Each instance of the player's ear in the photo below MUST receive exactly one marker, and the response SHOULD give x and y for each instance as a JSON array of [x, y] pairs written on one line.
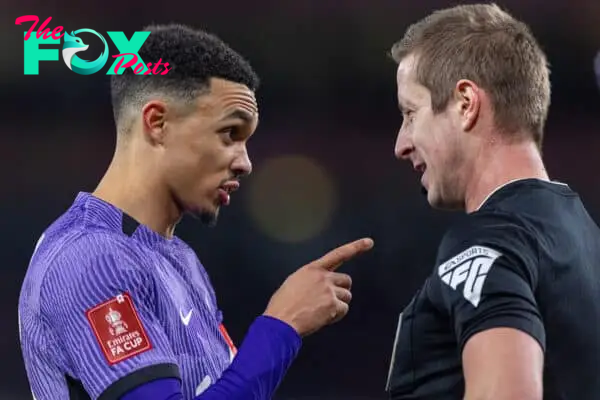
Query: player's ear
[[154, 118], [468, 95]]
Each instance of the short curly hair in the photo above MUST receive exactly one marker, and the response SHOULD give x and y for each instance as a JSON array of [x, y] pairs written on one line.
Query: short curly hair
[[194, 57]]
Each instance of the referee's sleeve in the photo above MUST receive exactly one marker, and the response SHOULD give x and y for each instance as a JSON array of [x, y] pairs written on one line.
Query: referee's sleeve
[[486, 277]]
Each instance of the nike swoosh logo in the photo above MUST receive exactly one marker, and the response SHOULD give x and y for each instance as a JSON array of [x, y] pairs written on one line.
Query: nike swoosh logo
[[186, 318]]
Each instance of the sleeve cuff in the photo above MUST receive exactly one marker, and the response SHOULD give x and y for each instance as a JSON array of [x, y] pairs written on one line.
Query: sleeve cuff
[[533, 328], [139, 377], [282, 329]]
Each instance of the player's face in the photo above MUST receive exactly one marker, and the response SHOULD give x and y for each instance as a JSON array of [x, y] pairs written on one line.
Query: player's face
[[431, 142], [205, 152]]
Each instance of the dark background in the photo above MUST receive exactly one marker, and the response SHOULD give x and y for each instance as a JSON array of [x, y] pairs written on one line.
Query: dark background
[[325, 172]]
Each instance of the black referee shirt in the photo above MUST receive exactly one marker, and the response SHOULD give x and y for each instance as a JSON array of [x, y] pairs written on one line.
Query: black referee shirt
[[529, 259]]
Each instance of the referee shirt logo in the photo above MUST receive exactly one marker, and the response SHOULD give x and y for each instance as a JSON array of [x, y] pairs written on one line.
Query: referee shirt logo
[[470, 267]]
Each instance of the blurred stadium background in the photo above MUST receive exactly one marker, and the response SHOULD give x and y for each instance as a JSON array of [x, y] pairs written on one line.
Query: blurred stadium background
[[323, 156]]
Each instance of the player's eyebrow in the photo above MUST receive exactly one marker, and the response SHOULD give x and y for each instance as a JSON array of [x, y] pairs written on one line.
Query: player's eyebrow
[[240, 114]]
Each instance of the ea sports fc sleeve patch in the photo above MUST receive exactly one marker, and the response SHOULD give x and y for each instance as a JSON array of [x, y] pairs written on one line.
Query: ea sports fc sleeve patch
[[486, 276], [118, 329], [469, 269]]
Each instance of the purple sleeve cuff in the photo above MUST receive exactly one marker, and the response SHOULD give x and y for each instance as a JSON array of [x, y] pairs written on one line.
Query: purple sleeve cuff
[[262, 361], [285, 331]]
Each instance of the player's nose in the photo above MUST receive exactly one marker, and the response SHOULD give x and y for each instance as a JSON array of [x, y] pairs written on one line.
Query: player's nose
[[404, 146], [242, 165]]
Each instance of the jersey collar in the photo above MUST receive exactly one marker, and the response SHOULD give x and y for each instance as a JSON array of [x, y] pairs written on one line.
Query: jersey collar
[[496, 190]]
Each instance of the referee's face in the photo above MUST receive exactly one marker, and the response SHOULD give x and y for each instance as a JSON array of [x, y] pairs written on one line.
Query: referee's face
[[430, 141], [205, 152]]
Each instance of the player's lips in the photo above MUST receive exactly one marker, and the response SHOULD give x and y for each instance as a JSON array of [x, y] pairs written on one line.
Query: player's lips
[[225, 191], [230, 186]]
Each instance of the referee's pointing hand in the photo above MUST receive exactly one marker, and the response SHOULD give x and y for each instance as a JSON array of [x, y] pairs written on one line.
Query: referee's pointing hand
[[316, 295]]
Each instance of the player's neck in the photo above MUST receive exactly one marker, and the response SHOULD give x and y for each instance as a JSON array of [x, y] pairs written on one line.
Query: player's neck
[[498, 164], [137, 192]]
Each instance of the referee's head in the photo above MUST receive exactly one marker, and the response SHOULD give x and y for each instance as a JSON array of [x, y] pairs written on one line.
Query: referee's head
[[472, 81]]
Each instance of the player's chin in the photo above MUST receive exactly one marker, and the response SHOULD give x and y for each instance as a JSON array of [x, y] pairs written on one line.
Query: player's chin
[[206, 215]]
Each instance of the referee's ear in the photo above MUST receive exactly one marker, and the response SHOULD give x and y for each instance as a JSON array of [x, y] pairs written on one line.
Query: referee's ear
[[469, 103]]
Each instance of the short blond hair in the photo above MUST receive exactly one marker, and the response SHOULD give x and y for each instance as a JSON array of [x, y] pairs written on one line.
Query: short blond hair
[[485, 44]]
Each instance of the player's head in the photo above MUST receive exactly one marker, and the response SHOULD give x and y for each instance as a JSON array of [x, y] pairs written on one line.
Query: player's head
[[466, 76], [189, 127]]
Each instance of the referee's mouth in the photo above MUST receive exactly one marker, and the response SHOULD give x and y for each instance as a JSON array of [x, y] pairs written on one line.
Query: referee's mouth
[[421, 167]]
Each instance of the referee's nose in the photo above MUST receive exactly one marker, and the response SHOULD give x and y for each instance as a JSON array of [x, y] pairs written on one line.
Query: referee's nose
[[404, 146]]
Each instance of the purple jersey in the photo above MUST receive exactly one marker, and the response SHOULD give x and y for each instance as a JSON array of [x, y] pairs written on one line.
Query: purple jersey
[[107, 305]]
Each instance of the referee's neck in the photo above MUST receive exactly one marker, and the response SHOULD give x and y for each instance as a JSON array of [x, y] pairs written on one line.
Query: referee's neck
[[499, 164]]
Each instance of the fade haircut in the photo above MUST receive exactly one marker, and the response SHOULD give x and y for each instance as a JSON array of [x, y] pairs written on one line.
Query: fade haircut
[[486, 45], [194, 57]]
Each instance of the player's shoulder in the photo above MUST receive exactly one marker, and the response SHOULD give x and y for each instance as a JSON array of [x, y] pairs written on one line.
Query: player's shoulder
[[80, 232], [92, 244], [78, 252], [78, 239]]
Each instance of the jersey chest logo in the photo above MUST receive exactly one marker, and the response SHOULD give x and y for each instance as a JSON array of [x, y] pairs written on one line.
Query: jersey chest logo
[[470, 267]]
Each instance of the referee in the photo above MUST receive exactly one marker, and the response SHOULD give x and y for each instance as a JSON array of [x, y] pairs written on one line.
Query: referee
[[511, 309]]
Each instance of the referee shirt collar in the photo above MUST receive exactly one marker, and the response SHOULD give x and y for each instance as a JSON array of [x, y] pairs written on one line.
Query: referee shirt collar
[[515, 181]]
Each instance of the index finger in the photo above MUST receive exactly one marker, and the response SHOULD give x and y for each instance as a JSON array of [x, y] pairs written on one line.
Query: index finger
[[336, 257]]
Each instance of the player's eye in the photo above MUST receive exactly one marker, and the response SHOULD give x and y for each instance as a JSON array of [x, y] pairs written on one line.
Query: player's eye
[[229, 133]]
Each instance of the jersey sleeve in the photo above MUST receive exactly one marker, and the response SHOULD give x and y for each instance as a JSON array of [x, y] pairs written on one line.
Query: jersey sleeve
[[486, 277], [266, 354], [97, 299]]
